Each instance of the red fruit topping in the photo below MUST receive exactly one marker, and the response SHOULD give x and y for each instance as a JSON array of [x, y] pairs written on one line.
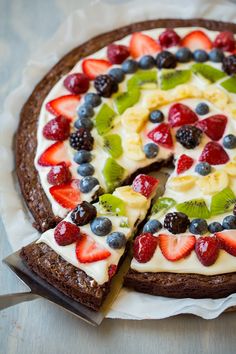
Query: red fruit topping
[[112, 270], [174, 248], [196, 40], [161, 135], [169, 38], [94, 67], [144, 247], [207, 250], [117, 53], [59, 174], [145, 185], [54, 155], [225, 41], [213, 126], [180, 114], [88, 250], [57, 129], [66, 233], [184, 163], [214, 154], [67, 195], [141, 44], [227, 241], [77, 83], [64, 105]]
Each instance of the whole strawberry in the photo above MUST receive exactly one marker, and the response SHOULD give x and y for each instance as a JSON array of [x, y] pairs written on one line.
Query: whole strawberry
[[144, 247], [66, 233]]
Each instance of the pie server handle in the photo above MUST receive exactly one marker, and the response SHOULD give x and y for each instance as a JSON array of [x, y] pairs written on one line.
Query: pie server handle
[[14, 299]]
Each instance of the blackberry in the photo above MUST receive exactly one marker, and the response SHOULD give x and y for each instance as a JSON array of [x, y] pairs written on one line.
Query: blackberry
[[166, 60], [176, 222], [189, 136], [81, 140], [83, 214], [229, 64], [105, 85]]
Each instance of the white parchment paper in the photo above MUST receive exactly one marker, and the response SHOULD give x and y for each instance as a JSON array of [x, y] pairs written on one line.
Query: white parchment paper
[[98, 17]]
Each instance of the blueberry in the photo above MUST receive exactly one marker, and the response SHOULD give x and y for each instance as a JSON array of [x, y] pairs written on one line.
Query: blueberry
[[202, 108], [229, 222], [150, 150], [84, 123], [116, 240], [156, 116], [117, 74], [87, 184], [85, 111], [82, 156], [129, 66], [198, 226], [229, 141], [184, 55], [200, 55], [92, 99], [86, 169], [101, 226], [166, 60], [152, 226], [216, 55], [146, 62], [215, 227], [203, 168]]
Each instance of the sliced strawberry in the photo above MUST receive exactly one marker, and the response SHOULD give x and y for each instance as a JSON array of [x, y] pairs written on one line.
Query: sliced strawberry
[[196, 40], [180, 114], [57, 129], [169, 38], [88, 250], [225, 41], [174, 248], [227, 241], [117, 53], [59, 174], [161, 135], [144, 247], [141, 44], [67, 195], [66, 233], [112, 270], [207, 250], [54, 155], [184, 163], [213, 126], [145, 185], [214, 154], [94, 67], [64, 105]]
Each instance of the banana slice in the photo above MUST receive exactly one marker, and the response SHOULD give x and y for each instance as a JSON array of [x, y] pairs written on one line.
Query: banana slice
[[230, 168], [216, 96], [134, 118], [213, 182], [231, 109], [155, 99], [132, 145], [131, 198], [182, 183], [186, 91]]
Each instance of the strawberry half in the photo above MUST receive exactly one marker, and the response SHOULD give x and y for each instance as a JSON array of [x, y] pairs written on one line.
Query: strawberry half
[[184, 163], [207, 250], [54, 155], [145, 185], [213, 126], [64, 105], [227, 241], [214, 154], [196, 40], [141, 44], [144, 247], [161, 135], [57, 129], [180, 114], [66, 233], [174, 248], [67, 195], [94, 67], [88, 250]]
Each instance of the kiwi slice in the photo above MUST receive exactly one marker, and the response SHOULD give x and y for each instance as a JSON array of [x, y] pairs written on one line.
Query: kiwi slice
[[104, 119], [125, 100], [162, 205], [112, 204], [223, 201], [113, 173], [208, 72], [173, 78], [112, 143], [141, 78], [194, 208], [230, 84]]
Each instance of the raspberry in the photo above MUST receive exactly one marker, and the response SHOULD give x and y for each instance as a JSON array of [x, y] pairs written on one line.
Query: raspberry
[[66, 233], [189, 136], [144, 247], [229, 64], [117, 53], [81, 140], [169, 38], [83, 214], [77, 83], [57, 129], [176, 223], [59, 174], [105, 85], [225, 41]]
